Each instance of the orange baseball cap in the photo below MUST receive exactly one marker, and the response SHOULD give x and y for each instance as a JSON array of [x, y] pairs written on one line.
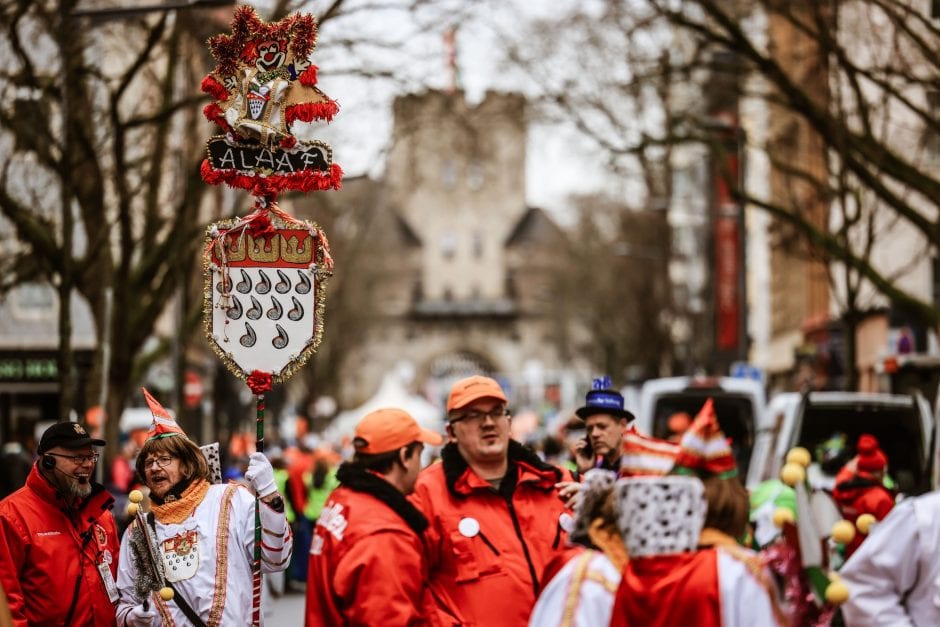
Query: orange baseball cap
[[385, 430], [471, 389]]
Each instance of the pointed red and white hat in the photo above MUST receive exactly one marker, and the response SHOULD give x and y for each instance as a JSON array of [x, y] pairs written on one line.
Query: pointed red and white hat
[[704, 449], [643, 455], [163, 424]]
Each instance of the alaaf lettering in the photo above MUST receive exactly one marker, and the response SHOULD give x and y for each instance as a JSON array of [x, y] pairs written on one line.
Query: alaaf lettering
[[332, 519], [255, 157]]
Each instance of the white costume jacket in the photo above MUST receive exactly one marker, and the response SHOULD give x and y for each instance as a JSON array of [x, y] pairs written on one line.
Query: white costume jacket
[[894, 576], [581, 594], [217, 580]]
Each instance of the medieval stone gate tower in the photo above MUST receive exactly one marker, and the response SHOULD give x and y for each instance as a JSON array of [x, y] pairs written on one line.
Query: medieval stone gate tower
[[474, 290]]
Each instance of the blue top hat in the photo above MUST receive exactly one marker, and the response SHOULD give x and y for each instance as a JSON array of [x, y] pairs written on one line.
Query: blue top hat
[[602, 399]]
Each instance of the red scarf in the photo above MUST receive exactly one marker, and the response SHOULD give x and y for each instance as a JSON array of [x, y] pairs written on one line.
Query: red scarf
[[669, 590]]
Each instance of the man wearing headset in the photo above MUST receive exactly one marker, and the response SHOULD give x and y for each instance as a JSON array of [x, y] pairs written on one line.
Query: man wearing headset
[[58, 540]]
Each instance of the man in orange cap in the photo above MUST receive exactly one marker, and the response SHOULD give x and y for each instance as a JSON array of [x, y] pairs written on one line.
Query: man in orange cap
[[495, 517], [367, 558]]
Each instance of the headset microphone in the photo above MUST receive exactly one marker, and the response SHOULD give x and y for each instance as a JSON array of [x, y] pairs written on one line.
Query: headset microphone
[[48, 462]]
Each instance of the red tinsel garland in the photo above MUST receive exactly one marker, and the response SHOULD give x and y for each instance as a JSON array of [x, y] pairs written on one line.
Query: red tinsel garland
[[310, 111], [248, 30], [272, 184], [259, 382], [210, 85]]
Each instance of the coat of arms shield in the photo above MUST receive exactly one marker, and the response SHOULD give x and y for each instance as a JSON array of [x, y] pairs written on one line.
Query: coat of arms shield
[[264, 293]]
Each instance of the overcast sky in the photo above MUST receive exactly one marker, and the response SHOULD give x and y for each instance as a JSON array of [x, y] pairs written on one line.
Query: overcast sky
[[360, 133]]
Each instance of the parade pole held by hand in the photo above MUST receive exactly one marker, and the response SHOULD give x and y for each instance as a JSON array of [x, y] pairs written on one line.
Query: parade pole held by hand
[[259, 382]]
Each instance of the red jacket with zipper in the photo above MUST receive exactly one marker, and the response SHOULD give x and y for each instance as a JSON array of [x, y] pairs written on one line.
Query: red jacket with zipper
[[486, 573], [45, 548]]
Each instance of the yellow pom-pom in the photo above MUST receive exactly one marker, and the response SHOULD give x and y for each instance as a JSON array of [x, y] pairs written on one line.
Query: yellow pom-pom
[[843, 532], [792, 474], [132, 509], [136, 496], [864, 523], [799, 455], [837, 593], [782, 515], [166, 593]]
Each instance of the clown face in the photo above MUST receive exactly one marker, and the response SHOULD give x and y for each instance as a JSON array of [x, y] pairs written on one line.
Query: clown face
[[270, 56]]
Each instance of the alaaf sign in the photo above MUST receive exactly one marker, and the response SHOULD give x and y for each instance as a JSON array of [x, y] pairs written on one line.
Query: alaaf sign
[[301, 167]]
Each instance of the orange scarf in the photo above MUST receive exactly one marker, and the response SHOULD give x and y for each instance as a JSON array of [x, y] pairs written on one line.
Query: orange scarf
[[179, 510]]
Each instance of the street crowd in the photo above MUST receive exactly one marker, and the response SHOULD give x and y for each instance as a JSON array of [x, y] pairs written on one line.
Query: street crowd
[[632, 531]]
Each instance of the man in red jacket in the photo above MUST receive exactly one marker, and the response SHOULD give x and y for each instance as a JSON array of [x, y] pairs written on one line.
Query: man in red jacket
[[495, 517], [367, 558], [58, 540]]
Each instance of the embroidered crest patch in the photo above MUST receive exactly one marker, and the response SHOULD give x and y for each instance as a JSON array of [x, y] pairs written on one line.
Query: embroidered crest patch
[[180, 556]]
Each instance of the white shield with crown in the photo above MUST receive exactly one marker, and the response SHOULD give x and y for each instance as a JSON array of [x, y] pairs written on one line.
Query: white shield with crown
[[265, 293]]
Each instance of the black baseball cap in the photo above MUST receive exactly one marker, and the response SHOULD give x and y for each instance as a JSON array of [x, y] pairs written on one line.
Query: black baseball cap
[[67, 435]]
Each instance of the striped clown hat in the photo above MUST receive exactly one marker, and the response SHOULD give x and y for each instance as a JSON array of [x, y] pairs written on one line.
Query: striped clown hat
[[163, 424], [704, 449], [646, 456]]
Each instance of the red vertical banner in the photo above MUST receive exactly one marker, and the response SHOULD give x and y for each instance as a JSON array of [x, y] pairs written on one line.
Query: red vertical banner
[[727, 300], [728, 316]]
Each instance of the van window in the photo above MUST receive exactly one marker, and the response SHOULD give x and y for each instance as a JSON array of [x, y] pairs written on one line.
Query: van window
[[898, 430], [735, 417]]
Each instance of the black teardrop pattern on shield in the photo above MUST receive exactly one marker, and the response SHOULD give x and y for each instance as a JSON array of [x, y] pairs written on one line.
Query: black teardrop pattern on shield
[[235, 311], [276, 311], [283, 284], [282, 339], [264, 285], [303, 285], [297, 312], [228, 285], [255, 312], [248, 340], [244, 286]]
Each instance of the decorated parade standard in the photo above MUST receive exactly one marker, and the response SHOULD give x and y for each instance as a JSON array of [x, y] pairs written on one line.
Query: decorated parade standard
[[266, 272]]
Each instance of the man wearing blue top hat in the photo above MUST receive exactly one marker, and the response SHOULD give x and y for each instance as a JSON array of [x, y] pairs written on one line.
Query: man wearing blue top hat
[[605, 421]]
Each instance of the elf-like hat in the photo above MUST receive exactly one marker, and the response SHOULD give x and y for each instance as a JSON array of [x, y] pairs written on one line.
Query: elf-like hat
[[163, 424], [703, 449], [646, 456]]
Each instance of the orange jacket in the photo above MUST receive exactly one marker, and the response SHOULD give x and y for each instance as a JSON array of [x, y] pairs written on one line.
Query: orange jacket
[[46, 550], [488, 549], [367, 558]]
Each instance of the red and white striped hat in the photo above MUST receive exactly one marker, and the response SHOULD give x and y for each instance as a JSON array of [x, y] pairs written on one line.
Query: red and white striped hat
[[163, 424], [646, 456], [704, 449]]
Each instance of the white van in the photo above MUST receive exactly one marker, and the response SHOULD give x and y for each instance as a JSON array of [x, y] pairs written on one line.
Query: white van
[[739, 406], [903, 424]]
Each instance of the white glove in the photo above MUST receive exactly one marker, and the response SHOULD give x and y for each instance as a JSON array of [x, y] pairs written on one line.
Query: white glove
[[260, 475], [139, 617]]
